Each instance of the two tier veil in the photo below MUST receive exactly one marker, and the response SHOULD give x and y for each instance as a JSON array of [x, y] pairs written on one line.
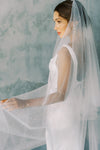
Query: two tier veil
[[24, 129]]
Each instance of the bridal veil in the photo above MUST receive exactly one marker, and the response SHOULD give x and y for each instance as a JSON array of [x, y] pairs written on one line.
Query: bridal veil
[[25, 128]]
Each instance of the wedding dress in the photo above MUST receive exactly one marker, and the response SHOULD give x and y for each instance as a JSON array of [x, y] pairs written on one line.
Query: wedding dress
[[56, 119]]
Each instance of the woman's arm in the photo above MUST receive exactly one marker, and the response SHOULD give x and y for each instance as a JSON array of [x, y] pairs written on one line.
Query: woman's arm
[[63, 64], [16, 103], [52, 98]]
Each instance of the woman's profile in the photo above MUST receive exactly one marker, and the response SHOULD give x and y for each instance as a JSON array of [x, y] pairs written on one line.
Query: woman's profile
[[63, 113]]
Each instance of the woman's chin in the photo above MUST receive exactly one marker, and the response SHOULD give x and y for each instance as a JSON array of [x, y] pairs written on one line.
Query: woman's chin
[[60, 36]]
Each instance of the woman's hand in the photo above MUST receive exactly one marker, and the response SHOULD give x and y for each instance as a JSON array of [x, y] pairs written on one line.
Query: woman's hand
[[12, 104]]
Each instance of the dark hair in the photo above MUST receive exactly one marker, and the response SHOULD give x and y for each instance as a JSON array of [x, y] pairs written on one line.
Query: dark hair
[[64, 9]]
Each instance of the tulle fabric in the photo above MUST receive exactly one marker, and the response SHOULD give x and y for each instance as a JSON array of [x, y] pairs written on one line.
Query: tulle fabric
[[65, 124]]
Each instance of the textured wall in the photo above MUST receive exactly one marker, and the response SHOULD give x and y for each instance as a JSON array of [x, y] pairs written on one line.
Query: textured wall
[[26, 45]]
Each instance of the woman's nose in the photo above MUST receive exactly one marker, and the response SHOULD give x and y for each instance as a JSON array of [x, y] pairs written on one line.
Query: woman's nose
[[55, 27]]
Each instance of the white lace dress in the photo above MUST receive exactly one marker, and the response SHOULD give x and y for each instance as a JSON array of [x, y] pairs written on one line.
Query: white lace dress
[[60, 132]]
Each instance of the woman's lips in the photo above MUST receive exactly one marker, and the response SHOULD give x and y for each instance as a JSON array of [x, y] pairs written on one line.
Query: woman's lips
[[58, 33]]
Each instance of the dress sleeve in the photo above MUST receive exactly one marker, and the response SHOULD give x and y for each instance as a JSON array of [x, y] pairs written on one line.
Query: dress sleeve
[[64, 66]]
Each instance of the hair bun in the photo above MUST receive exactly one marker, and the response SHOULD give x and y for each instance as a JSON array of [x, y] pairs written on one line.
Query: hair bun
[[69, 0], [69, 3]]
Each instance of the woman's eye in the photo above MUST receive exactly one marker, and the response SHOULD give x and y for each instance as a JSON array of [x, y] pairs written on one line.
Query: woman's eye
[[59, 21]]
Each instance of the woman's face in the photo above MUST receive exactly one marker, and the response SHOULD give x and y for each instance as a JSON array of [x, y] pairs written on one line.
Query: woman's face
[[60, 24]]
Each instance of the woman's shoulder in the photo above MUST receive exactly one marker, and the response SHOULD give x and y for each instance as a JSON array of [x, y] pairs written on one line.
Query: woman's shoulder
[[63, 56], [63, 52]]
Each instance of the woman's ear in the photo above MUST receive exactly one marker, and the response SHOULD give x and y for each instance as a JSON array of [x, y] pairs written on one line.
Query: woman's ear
[[71, 25], [68, 30]]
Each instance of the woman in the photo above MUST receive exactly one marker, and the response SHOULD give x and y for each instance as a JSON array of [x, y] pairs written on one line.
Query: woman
[[72, 69]]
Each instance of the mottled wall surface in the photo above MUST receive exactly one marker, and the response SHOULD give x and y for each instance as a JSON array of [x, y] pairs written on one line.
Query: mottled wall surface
[[26, 45]]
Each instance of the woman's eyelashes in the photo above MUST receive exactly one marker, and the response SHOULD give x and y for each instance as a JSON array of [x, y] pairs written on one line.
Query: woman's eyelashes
[[59, 21]]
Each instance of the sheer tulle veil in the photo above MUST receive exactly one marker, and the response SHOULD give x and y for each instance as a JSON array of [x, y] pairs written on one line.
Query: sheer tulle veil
[[25, 128]]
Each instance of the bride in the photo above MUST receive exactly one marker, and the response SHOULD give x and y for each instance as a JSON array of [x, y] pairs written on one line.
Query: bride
[[64, 113]]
